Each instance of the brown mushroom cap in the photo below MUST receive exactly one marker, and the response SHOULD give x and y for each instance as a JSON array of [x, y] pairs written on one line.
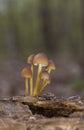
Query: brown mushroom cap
[[44, 75], [51, 65], [30, 58], [26, 73], [40, 58]]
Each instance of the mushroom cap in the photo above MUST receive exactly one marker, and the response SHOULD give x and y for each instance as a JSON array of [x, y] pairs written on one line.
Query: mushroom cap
[[51, 65], [40, 58], [26, 73], [30, 59], [44, 75]]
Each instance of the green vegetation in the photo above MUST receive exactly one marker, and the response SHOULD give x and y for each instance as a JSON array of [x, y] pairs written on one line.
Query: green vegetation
[[78, 84]]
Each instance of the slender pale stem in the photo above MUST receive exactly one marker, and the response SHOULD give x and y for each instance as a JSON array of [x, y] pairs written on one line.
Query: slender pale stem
[[49, 70], [32, 68], [31, 81], [26, 86], [31, 87], [37, 80], [44, 83]]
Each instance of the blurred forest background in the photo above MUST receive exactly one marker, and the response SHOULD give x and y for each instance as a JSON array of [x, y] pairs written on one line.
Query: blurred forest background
[[55, 27]]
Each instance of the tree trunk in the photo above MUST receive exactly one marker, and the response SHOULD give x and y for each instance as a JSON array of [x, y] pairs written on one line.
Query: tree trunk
[[47, 26], [12, 39]]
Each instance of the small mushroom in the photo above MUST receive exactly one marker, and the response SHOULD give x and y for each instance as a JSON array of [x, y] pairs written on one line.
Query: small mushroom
[[27, 74], [40, 60], [46, 80], [51, 66], [30, 61]]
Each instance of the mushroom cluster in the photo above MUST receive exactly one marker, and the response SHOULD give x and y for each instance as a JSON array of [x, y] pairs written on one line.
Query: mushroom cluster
[[44, 68]]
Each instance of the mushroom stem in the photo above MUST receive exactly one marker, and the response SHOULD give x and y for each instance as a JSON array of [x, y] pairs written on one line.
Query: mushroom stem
[[32, 68], [44, 83], [31, 87], [26, 86], [31, 81], [49, 70], [37, 79], [30, 61]]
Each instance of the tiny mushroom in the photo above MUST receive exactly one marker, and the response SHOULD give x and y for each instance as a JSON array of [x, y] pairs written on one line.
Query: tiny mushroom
[[46, 80], [40, 60], [30, 61], [27, 74], [51, 66], [44, 67]]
